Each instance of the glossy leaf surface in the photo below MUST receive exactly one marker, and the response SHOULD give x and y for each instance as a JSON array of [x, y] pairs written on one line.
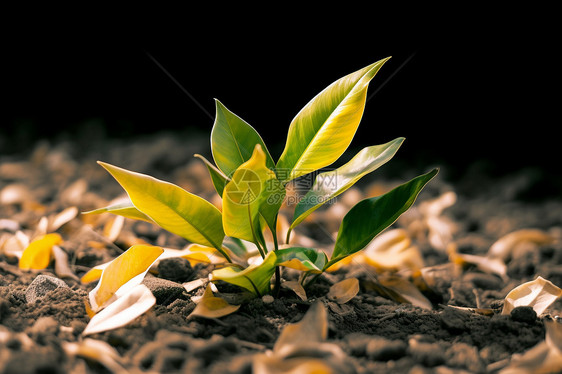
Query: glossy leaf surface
[[332, 183], [123, 207], [255, 278], [233, 141], [371, 216], [172, 207], [244, 195], [324, 128], [303, 259], [217, 177]]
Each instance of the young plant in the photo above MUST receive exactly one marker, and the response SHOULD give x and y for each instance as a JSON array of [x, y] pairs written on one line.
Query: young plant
[[253, 187]]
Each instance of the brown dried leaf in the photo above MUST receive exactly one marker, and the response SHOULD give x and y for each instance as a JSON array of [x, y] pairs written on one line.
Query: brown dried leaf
[[62, 218], [406, 291], [96, 350], [296, 287], [62, 270], [210, 306], [312, 329], [344, 290]]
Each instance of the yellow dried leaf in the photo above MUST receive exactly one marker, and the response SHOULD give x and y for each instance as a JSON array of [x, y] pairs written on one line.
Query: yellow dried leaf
[[392, 250], [505, 245], [538, 294], [112, 227], [132, 264], [122, 311], [62, 218], [37, 255], [96, 350], [344, 291], [93, 274], [210, 306], [265, 364]]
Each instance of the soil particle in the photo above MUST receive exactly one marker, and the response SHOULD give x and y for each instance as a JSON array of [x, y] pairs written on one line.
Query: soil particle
[[164, 290], [175, 269], [524, 314]]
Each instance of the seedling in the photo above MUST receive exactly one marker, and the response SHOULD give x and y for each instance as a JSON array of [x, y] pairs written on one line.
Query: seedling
[[253, 187]]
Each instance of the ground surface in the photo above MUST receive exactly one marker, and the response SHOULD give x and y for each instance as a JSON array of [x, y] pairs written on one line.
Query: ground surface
[[375, 332]]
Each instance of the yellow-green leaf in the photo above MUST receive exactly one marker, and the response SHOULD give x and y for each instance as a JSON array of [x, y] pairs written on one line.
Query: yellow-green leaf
[[211, 306], [133, 263], [123, 207], [324, 128], [332, 183], [217, 177], [255, 278], [172, 207], [244, 195], [233, 141], [37, 255]]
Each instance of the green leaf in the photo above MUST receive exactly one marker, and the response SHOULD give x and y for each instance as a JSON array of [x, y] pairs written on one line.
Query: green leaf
[[123, 208], [172, 207], [243, 197], [233, 141], [332, 183], [254, 278], [324, 128], [304, 259], [273, 196], [217, 177], [371, 216]]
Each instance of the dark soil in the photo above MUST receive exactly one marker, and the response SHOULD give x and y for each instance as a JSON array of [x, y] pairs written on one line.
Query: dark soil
[[376, 333]]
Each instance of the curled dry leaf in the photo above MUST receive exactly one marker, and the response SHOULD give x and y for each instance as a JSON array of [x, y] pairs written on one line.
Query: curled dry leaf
[[96, 350], [126, 270], [210, 306], [504, 246], [112, 227], [62, 218], [543, 358], [37, 255], [401, 290], [344, 290], [538, 294], [296, 287], [122, 311], [393, 250], [62, 270]]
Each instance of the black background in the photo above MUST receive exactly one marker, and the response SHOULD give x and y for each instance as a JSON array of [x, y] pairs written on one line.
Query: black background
[[478, 92]]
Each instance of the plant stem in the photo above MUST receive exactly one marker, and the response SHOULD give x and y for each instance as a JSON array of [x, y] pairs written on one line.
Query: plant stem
[[277, 285]]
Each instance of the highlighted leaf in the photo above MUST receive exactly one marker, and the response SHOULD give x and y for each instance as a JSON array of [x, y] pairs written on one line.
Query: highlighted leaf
[[392, 250], [217, 177], [332, 183], [538, 294], [233, 141], [127, 269], [122, 207], [324, 128], [303, 259], [211, 306], [172, 207], [244, 195], [122, 311], [371, 216], [344, 290], [255, 278], [37, 255]]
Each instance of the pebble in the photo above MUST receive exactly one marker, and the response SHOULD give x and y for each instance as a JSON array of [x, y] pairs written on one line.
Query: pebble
[[175, 269], [267, 299], [164, 290], [42, 285], [381, 349], [524, 314], [428, 354]]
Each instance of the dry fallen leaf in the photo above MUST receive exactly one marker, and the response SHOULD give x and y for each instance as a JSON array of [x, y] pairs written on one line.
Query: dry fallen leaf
[[62, 218], [62, 269], [393, 250], [296, 287], [126, 270], [504, 246], [98, 351], [538, 294], [344, 290], [405, 290], [543, 358], [37, 255], [312, 329], [122, 311], [210, 306]]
